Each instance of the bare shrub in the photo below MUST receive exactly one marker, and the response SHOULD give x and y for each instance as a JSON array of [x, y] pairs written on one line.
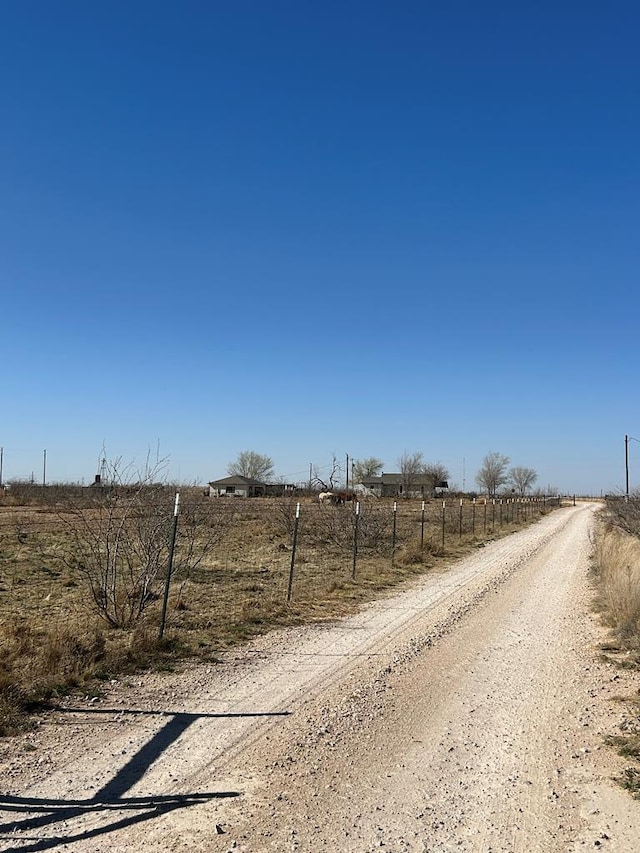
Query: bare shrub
[[330, 524], [203, 523], [285, 514], [626, 514], [120, 542], [28, 493], [374, 527]]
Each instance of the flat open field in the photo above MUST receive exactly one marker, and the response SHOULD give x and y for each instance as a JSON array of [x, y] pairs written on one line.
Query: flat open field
[[249, 578]]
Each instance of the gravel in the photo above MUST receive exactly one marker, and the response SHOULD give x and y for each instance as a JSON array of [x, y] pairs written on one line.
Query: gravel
[[465, 713]]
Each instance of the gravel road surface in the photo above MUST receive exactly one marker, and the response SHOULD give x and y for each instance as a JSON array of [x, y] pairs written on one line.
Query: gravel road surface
[[465, 713]]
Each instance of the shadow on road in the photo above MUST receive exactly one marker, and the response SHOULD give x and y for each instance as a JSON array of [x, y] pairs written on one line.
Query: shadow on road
[[49, 812]]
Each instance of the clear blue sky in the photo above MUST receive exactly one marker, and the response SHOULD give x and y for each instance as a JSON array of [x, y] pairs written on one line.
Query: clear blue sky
[[310, 228]]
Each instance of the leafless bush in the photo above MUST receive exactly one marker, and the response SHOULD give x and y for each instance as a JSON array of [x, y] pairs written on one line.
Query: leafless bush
[[335, 525], [374, 527], [27, 493], [626, 513], [285, 514], [21, 529], [328, 524], [120, 543], [202, 524]]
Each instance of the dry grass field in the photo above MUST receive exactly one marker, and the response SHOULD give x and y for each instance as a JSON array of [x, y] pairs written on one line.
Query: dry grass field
[[617, 572], [53, 637]]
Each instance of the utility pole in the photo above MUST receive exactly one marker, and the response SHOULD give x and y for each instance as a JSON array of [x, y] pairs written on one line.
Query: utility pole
[[627, 439], [626, 466], [44, 468], [1, 464], [347, 484]]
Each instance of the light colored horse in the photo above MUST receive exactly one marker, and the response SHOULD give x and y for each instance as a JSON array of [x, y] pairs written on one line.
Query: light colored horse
[[325, 497]]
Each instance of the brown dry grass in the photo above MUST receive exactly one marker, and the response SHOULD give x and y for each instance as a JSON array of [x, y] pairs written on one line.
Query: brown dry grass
[[51, 639], [616, 563]]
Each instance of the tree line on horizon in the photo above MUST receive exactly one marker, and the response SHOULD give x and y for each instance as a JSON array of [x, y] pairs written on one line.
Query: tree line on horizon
[[493, 475]]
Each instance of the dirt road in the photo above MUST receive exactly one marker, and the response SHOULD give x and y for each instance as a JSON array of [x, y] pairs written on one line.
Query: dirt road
[[465, 714]]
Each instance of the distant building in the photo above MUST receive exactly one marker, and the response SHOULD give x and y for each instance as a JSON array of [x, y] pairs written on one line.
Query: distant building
[[237, 486], [395, 485], [244, 487]]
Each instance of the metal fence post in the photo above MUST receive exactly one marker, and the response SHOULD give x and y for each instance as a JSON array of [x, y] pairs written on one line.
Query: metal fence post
[[393, 535], [293, 552], [167, 580], [355, 540]]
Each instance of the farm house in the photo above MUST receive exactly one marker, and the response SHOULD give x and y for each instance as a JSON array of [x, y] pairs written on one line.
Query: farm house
[[237, 486]]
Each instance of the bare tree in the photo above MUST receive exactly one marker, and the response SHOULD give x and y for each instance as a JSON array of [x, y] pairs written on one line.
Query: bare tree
[[363, 469], [493, 473], [435, 473], [327, 482], [250, 464], [411, 467], [522, 478], [120, 540]]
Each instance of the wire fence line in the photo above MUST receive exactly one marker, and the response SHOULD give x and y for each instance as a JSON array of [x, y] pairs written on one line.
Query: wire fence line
[[380, 523], [272, 551], [389, 529]]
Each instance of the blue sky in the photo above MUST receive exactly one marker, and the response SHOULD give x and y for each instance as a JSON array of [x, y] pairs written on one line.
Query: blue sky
[[314, 228]]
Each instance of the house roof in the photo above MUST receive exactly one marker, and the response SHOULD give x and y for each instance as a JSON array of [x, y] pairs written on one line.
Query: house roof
[[393, 479], [236, 480], [399, 480]]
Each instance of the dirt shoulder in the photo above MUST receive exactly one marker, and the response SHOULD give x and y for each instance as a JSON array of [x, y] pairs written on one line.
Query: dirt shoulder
[[465, 713]]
